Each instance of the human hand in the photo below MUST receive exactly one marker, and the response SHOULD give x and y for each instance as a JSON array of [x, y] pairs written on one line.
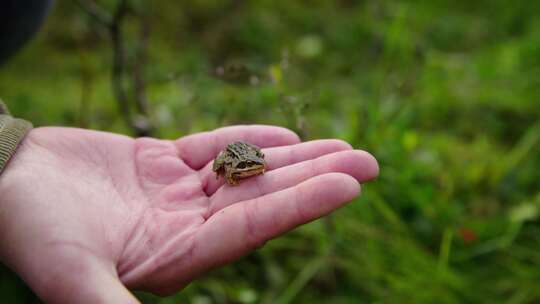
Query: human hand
[[85, 216]]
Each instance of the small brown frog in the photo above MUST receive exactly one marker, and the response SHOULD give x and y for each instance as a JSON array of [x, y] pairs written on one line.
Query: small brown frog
[[239, 160]]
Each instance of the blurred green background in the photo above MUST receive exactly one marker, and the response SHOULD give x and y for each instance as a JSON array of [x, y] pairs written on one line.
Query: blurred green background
[[446, 94]]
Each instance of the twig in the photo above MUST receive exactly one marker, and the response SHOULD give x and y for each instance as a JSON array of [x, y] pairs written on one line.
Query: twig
[[114, 25], [97, 13], [119, 63], [86, 92], [138, 79]]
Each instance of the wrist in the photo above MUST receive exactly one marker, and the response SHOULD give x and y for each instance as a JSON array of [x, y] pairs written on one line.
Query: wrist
[[13, 166], [17, 185]]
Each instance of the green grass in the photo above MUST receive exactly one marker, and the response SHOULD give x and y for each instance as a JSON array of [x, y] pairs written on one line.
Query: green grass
[[445, 94]]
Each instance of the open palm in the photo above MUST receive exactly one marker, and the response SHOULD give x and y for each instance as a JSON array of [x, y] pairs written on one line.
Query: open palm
[[86, 214]]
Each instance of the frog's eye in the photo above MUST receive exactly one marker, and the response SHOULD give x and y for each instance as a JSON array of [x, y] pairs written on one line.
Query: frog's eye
[[241, 165]]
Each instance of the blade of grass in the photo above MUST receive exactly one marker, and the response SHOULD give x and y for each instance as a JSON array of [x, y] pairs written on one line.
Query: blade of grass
[[521, 150], [387, 212], [444, 252], [301, 280]]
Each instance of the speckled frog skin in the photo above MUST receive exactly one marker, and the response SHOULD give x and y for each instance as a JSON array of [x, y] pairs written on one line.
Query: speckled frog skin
[[239, 160]]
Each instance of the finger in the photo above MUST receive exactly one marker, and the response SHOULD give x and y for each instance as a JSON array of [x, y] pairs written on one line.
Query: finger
[[278, 157], [358, 164], [243, 227], [199, 149]]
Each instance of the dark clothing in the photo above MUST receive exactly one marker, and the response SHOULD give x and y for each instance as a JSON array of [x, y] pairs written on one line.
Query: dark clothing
[[19, 20]]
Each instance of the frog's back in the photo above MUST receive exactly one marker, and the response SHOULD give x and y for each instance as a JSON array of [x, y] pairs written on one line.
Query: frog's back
[[238, 149]]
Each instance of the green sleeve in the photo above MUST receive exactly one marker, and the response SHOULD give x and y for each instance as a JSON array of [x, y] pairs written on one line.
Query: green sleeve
[[12, 132]]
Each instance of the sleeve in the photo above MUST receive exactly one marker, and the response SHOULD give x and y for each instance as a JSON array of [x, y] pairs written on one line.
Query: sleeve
[[12, 132], [19, 20]]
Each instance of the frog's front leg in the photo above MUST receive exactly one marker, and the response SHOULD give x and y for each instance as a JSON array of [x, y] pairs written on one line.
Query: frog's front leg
[[230, 179], [219, 162]]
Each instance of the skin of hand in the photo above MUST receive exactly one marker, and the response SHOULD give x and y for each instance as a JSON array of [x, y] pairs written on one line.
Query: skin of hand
[[86, 216]]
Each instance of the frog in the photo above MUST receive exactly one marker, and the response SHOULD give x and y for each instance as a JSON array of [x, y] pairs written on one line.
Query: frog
[[239, 160]]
